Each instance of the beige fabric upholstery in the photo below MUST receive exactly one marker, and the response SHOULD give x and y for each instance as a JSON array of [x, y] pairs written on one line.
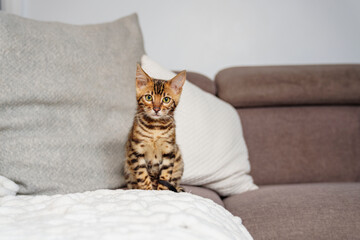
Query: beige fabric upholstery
[[303, 144], [289, 85], [204, 192], [297, 212]]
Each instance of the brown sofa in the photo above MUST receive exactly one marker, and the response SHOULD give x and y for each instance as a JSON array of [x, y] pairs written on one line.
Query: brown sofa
[[302, 128]]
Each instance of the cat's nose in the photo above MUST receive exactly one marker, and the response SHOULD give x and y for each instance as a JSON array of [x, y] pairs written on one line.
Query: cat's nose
[[156, 109]]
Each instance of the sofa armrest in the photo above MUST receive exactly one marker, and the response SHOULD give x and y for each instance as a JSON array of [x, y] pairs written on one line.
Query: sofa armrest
[[289, 85]]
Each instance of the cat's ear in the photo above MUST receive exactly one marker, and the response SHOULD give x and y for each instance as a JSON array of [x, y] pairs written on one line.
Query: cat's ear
[[177, 82], [142, 78]]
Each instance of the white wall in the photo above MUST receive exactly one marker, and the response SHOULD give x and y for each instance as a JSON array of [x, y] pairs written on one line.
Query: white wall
[[208, 35]]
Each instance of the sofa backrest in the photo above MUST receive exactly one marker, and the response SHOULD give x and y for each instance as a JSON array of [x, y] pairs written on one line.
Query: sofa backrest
[[303, 143], [301, 123]]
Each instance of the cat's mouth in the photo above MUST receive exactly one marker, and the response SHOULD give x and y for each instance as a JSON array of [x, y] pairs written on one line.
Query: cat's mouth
[[156, 115]]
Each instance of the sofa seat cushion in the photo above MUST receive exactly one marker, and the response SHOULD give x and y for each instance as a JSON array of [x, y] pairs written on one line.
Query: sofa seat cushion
[[300, 211], [204, 192]]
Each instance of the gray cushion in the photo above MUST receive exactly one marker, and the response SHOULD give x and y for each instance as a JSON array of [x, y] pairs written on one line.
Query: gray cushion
[[67, 102]]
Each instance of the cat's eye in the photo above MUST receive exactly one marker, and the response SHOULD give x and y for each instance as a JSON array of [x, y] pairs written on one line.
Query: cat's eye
[[166, 99], [148, 98]]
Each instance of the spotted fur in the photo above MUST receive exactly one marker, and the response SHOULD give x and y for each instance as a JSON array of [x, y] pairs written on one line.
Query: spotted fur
[[153, 159]]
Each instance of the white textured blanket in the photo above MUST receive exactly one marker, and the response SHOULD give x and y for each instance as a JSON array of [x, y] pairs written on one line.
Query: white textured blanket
[[117, 214]]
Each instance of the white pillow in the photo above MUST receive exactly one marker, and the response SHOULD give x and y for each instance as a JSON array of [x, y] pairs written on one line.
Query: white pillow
[[209, 134]]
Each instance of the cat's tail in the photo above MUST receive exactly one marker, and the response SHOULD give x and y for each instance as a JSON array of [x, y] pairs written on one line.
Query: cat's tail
[[168, 185]]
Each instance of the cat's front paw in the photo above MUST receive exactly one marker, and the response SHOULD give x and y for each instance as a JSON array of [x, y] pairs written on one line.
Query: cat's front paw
[[147, 187], [161, 187]]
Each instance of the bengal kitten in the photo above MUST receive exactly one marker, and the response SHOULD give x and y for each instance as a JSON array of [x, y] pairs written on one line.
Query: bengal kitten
[[153, 159]]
